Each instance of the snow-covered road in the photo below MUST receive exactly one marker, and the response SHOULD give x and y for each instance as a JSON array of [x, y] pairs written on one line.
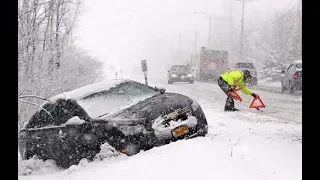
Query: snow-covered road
[[283, 106], [239, 145]]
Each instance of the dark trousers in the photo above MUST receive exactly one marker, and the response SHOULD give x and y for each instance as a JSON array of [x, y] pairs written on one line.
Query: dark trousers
[[225, 87]]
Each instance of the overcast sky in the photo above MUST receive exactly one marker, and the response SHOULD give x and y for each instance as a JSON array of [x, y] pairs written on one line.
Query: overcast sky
[[122, 32]]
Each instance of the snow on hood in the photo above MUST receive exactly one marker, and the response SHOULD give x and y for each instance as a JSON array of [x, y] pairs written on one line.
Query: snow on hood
[[75, 121], [89, 89]]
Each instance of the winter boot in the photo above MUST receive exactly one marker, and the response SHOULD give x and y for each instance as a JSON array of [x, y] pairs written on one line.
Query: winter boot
[[231, 109]]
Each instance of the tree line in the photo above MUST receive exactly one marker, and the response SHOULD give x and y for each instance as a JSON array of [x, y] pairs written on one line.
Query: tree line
[[49, 62]]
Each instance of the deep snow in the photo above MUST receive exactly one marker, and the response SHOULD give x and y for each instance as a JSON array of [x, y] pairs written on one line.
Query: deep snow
[[239, 145]]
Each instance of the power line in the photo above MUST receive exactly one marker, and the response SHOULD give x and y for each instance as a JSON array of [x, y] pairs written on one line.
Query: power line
[[288, 5], [290, 9], [296, 9]]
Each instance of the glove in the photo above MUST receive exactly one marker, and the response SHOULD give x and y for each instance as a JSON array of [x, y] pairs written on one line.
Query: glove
[[232, 88], [254, 95]]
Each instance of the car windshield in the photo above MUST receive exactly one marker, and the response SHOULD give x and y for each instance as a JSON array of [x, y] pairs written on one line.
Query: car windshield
[[117, 98], [299, 65], [245, 65], [180, 69]]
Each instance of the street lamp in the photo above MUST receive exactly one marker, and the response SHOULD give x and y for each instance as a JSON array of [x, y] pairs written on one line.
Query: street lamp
[[208, 17]]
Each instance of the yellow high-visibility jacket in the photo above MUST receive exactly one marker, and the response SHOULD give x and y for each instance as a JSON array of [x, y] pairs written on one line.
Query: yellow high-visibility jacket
[[235, 78]]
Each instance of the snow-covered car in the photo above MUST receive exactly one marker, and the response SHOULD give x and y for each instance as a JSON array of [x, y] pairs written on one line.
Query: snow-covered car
[[253, 71], [128, 115], [292, 77], [180, 73]]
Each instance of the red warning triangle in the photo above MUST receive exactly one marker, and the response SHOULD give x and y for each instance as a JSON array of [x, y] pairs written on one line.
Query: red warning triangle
[[257, 103], [235, 95]]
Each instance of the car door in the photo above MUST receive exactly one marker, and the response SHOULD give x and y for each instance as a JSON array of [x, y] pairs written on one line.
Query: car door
[[291, 73], [287, 76]]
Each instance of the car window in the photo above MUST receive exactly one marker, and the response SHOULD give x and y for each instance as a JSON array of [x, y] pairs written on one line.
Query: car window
[[289, 68], [245, 65], [180, 69], [56, 114], [299, 65], [106, 102]]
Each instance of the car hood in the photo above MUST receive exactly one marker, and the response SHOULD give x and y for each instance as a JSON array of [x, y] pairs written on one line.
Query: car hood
[[149, 109]]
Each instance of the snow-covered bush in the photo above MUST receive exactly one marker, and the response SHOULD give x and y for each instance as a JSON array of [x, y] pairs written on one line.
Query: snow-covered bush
[[106, 152], [36, 165]]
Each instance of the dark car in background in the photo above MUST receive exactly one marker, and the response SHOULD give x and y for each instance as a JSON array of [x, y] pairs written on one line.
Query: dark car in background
[[180, 73], [292, 77], [253, 71], [127, 115]]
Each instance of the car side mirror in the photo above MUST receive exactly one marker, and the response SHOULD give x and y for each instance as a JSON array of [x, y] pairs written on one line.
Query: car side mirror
[[161, 89]]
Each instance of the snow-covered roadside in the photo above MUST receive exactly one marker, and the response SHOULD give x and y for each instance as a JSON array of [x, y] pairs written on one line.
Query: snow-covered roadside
[[233, 149], [267, 82], [240, 145]]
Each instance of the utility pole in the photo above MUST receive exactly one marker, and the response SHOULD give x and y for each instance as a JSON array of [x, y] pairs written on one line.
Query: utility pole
[[171, 49], [180, 49], [195, 43], [242, 26], [231, 31], [180, 39], [209, 31], [208, 16]]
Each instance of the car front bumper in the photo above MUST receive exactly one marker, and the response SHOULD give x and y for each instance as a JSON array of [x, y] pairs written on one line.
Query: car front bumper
[[181, 78], [297, 84]]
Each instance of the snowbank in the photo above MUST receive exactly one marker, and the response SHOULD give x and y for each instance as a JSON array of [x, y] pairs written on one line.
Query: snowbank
[[268, 82], [36, 166], [239, 145], [235, 148]]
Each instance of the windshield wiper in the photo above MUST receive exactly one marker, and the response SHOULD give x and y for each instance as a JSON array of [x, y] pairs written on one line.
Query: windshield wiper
[[102, 115]]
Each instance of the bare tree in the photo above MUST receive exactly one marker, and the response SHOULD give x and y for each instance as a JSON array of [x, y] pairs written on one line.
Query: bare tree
[[280, 42], [48, 61]]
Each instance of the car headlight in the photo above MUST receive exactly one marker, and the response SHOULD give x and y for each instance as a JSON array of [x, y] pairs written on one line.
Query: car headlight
[[195, 105], [173, 75], [189, 75]]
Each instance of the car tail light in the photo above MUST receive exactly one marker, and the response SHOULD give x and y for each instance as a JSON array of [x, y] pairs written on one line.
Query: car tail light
[[296, 75]]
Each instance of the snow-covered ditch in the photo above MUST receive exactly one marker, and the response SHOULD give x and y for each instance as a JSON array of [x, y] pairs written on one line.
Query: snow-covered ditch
[[241, 145], [36, 166]]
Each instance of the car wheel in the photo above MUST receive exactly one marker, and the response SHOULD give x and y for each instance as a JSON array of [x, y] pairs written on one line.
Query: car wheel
[[255, 83], [291, 88], [282, 88]]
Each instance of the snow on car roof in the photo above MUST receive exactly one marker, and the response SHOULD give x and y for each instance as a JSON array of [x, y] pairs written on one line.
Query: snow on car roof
[[297, 61], [89, 89]]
